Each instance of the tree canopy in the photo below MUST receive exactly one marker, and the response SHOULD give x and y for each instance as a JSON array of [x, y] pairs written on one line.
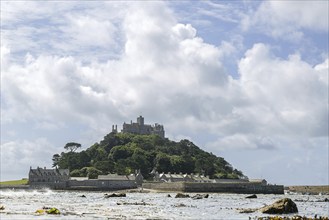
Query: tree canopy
[[72, 146], [124, 153]]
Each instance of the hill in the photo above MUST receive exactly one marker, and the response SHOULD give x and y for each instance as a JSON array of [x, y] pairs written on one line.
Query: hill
[[124, 153]]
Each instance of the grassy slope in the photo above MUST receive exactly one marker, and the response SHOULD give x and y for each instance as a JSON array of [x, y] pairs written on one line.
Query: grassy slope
[[14, 182]]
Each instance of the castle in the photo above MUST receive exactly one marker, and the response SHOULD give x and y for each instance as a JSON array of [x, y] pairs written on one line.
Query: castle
[[140, 128]]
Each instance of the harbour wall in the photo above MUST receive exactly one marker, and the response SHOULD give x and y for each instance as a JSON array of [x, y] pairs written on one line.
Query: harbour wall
[[90, 185], [244, 188], [101, 184]]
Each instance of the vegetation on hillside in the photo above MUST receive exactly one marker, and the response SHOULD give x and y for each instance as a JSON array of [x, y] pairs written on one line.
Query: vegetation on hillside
[[124, 153]]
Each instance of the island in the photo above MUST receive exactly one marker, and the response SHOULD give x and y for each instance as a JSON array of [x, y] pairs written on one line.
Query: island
[[141, 156]]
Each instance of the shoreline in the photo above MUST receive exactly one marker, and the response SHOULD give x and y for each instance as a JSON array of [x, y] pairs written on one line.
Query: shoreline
[[308, 189], [300, 189]]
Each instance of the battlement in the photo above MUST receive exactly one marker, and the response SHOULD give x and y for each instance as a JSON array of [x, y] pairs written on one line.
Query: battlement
[[140, 127]]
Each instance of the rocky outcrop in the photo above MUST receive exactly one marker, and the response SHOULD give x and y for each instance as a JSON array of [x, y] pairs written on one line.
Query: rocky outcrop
[[254, 196], [197, 196], [132, 203], [48, 210], [200, 196], [53, 211], [115, 195], [282, 206], [181, 195]]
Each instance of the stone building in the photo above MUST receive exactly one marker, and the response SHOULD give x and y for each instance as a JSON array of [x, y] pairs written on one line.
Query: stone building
[[140, 127], [168, 177], [60, 179], [136, 177], [53, 178]]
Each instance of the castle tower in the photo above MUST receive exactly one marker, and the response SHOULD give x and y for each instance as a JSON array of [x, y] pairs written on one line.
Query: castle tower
[[140, 121]]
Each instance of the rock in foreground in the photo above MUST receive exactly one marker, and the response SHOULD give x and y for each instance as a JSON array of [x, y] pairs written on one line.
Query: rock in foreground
[[200, 196], [254, 196], [115, 195], [181, 195], [53, 211], [282, 206]]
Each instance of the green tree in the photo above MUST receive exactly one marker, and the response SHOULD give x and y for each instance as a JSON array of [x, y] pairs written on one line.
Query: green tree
[[72, 146], [105, 166], [140, 161], [84, 159], [56, 159], [92, 173], [121, 152], [122, 167], [76, 173], [162, 163]]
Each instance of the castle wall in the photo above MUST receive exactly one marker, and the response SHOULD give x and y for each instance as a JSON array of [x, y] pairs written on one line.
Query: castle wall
[[102, 184], [167, 186], [51, 185], [141, 128], [245, 188]]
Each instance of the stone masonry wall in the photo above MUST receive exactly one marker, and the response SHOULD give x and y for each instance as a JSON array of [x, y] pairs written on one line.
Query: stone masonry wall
[[102, 184], [246, 188], [173, 186]]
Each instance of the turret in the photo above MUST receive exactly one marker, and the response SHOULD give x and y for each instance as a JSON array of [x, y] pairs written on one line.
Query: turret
[[140, 120]]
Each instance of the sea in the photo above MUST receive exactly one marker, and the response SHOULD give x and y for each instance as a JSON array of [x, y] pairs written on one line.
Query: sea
[[23, 204]]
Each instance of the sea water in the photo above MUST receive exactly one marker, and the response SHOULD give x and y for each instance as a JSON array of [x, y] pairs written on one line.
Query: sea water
[[21, 204]]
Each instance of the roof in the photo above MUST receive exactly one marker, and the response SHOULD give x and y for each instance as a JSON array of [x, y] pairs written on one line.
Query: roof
[[79, 178], [113, 177], [257, 180], [131, 177], [49, 172], [177, 176]]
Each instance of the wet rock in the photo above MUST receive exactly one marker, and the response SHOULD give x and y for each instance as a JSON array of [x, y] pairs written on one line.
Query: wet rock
[[254, 196], [40, 211], [180, 205], [200, 196], [48, 210], [169, 196], [53, 211], [82, 196], [132, 203], [282, 206], [250, 210], [181, 195], [115, 195], [2, 207], [323, 200], [296, 217]]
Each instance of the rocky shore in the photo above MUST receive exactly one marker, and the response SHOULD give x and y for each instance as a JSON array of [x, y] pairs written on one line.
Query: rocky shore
[[14, 186], [311, 190]]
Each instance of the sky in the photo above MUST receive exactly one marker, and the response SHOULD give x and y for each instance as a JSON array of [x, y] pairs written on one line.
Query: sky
[[245, 80]]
